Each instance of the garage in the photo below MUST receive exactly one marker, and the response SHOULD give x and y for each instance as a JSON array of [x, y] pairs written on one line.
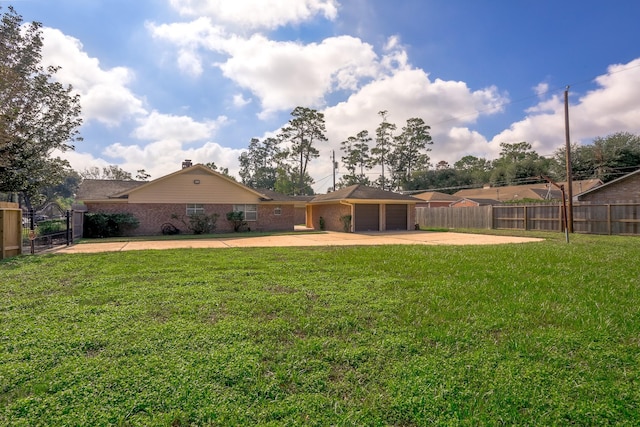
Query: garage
[[396, 217], [359, 208], [367, 217]]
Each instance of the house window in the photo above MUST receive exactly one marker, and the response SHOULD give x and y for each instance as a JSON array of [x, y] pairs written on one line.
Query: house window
[[277, 210], [195, 209], [250, 211]]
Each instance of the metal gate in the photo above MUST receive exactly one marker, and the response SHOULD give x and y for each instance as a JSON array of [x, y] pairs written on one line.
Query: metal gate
[[41, 232]]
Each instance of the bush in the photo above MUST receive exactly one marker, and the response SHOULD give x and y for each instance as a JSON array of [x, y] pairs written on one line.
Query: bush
[[237, 219], [202, 224], [109, 224], [198, 223], [346, 223], [51, 226]]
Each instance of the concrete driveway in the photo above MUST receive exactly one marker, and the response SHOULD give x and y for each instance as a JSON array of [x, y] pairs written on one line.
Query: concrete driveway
[[304, 239]]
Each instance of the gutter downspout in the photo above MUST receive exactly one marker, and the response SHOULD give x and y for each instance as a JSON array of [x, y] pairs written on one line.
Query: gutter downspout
[[352, 212]]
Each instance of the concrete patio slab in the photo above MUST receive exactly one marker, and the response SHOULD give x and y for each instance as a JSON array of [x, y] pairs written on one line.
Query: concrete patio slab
[[304, 239]]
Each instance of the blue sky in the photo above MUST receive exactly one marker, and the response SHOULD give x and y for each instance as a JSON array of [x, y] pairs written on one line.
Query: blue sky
[[165, 80]]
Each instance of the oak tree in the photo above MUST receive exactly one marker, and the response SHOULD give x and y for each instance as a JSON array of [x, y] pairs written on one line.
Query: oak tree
[[38, 115]]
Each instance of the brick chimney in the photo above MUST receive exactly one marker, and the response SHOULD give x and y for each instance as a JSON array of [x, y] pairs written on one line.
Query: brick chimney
[[186, 164]]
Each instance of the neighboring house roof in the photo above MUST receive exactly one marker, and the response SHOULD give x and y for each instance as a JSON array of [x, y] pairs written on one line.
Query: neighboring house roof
[[435, 196], [283, 198], [541, 191], [584, 185], [361, 192], [100, 189], [547, 194], [479, 202], [608, 185]]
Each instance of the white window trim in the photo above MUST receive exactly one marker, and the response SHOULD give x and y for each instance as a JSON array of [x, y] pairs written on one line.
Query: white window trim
[[249, 214], [195, 209]]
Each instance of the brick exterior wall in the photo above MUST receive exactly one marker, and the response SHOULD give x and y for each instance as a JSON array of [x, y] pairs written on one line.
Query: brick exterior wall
[[331, 215], [623, 191], [301, 216], [153, 215]]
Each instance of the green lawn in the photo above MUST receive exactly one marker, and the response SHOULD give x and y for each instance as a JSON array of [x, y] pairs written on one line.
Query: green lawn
[[532, 334]]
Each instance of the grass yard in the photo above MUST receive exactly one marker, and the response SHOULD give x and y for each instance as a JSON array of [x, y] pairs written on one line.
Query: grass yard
[[532, 334]]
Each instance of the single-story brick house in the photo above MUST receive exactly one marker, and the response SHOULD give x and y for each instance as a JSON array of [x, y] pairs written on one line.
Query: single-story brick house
[[625, 189], [369, 209], [193, 189]]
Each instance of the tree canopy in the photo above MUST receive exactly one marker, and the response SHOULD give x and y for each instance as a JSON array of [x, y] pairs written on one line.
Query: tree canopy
[[607, 158], [306, 128], [111, 172], [38, 115]]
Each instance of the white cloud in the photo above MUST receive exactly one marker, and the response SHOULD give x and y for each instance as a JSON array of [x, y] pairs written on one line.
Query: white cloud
[[105, 96], [541, 89], [444, 105], [189, 62], [283, 75], [258, 13], [164, 157], [157, 159], [611, 107], [410, 93], [286, 74], [239, 101], [159, 126]]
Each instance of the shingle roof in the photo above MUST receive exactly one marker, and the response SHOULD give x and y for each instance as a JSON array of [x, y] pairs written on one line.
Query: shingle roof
[[533, 191], [608, 184], [435, 196], [480, 202], [100, 189], [279, 197], [362, 192]]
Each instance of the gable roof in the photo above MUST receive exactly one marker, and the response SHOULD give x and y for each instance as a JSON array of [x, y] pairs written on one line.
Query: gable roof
[[199, 167], [362, 192], [435, 196], [608, 184], [104, 189]]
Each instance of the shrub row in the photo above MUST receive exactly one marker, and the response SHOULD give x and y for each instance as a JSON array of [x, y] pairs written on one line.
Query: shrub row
[[108, 225]]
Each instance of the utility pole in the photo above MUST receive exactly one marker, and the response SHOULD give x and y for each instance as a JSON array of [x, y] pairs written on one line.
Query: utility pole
[[568, 162], [564, 205]]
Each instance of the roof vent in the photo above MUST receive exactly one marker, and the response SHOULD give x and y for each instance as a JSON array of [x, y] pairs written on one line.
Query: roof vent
[[186, 164]]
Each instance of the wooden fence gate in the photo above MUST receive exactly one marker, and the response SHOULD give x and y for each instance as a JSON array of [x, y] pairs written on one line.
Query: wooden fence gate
[[10, 230]]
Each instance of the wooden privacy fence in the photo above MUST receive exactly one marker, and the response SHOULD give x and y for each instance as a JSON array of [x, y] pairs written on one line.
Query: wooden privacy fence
[[590, 219], [471, 217], [10, 230]]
